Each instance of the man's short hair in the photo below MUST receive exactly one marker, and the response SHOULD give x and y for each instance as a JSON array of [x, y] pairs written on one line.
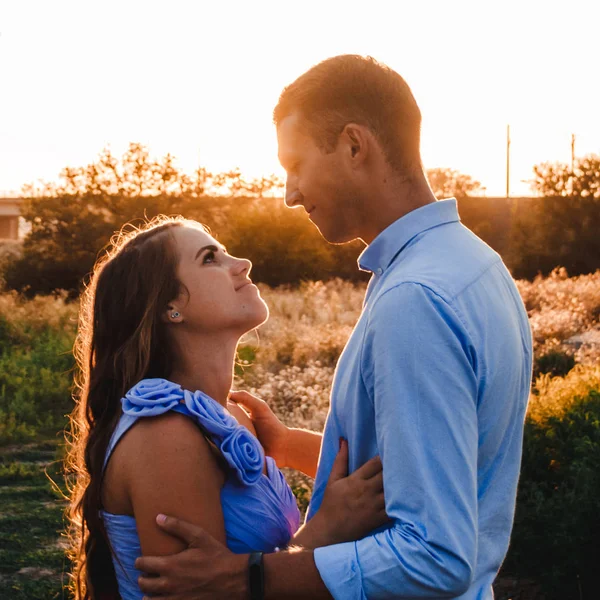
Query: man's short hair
[[356, 89]]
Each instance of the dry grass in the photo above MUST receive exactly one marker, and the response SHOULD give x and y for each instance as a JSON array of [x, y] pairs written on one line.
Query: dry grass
[[292, 357], [560, 307]]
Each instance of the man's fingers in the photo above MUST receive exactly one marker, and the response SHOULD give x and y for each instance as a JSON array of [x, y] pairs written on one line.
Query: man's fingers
[[191, 534], [369, 469], [154, 565], [152, 585]]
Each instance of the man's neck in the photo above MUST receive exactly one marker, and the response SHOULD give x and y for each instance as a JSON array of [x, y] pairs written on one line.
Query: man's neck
[[395, 200]]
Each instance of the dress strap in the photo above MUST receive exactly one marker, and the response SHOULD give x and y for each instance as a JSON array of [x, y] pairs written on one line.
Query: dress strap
[[123, 426], [241, 450]]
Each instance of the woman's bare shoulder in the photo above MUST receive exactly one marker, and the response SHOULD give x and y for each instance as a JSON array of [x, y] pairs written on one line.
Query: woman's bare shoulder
[[161, 448], [168, 437]]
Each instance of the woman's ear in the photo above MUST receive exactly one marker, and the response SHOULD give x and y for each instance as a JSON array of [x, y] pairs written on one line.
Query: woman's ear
[[172, 315]]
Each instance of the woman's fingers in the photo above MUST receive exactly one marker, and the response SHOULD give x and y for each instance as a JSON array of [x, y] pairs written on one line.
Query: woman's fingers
[[375, 483], [339, 470], [369, 469], [252, 403]]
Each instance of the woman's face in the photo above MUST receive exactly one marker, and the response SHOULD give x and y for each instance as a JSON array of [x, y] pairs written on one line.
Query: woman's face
[[217, 294]]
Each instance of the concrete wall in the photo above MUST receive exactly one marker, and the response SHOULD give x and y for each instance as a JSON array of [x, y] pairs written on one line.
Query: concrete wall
[[9, 218], [9, 228]]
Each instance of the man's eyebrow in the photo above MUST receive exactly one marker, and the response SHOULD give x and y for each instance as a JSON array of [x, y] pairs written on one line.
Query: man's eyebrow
[[209, 247]]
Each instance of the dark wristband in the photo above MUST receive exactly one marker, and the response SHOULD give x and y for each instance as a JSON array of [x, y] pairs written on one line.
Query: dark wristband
[[256, 576]]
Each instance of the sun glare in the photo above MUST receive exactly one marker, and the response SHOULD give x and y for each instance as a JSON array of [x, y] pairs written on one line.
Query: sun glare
[[199, 80]]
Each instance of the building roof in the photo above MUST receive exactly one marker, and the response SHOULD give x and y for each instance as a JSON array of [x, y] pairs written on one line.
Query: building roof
[[10, 207]]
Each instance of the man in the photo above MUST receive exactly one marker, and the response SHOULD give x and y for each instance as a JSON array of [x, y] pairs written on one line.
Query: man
[[435, 377]]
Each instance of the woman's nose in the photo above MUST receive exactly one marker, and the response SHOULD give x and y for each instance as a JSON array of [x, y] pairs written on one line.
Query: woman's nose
[[242, 266]]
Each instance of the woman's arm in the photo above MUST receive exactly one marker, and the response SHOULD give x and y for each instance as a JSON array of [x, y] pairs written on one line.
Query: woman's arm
[[171, 469], [303, 449]]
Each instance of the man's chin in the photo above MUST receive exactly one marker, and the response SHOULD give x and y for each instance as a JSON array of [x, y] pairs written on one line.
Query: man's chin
[[337, 237]]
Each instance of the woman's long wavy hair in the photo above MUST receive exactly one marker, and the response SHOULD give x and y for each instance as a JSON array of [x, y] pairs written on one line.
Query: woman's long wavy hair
[[121, 339]]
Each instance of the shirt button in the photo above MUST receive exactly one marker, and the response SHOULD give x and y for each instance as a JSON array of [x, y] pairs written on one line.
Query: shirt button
[[379, 271]]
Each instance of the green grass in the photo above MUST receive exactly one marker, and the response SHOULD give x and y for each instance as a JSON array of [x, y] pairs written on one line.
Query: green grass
[[32, 561]]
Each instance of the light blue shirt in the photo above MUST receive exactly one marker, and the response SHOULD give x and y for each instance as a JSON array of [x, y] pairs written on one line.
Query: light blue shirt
[[435, 379]]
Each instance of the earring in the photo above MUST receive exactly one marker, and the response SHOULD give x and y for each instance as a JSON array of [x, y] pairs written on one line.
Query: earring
[[175, 315]]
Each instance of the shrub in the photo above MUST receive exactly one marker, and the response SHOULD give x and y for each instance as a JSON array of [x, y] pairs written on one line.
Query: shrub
[[553, 396], [555, 363], [36, 338], [556, 536], [10, 251]]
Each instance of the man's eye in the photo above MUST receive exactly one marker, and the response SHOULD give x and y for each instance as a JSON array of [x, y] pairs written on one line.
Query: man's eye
[[209, 257]]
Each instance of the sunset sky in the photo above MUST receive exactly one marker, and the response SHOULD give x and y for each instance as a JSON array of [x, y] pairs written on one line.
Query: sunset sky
[[200, 79]]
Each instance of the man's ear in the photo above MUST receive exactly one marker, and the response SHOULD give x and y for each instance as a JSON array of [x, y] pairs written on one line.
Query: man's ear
[[356, 139], [171, 315]]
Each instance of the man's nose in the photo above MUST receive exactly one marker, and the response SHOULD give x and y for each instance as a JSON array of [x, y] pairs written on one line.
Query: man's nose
[[293, 197]]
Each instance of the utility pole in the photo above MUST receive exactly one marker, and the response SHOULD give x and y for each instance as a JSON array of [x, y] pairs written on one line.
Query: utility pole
[[508, 161], [572, 174]]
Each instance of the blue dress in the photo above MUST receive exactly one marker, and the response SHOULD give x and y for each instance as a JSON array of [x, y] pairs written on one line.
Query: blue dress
[[259, 511]]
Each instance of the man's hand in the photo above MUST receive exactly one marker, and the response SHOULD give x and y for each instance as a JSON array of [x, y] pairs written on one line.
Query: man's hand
[[271, 432], [207, 569]]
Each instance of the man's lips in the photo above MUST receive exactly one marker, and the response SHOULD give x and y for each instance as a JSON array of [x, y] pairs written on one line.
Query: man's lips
[[245, 284]]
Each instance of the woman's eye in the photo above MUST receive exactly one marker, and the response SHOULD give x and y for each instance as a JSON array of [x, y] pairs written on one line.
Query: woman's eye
[[208, 257]]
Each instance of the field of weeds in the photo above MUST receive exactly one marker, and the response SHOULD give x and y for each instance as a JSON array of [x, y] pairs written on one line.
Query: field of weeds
[[289, 362]]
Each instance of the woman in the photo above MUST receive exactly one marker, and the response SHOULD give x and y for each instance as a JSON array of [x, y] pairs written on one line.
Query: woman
[[153, 429]]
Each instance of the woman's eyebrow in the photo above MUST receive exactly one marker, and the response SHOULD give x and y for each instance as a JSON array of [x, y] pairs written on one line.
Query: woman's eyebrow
[[209, 247]]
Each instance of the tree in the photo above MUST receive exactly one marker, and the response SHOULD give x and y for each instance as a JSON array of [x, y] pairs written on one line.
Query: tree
[[558, 179], [72, 220], [447, 183], [561, 227]]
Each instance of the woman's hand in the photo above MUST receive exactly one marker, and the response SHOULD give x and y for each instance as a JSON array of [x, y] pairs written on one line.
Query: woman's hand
[[271, 432], [353, 505]]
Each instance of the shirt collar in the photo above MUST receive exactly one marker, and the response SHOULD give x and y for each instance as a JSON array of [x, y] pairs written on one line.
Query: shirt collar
[[380, 253]]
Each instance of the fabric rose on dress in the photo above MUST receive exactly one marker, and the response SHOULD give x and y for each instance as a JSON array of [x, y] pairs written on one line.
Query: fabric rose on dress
[[152, 397], [244, 454], [213, 417]]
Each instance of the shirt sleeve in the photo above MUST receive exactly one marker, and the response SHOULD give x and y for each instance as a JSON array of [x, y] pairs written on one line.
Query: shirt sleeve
[[420, 366]]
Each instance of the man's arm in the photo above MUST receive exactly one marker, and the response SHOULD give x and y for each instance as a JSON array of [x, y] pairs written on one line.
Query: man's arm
[[207, 570], [425, 398], [420, 364], [352, 506], [293, 575]]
